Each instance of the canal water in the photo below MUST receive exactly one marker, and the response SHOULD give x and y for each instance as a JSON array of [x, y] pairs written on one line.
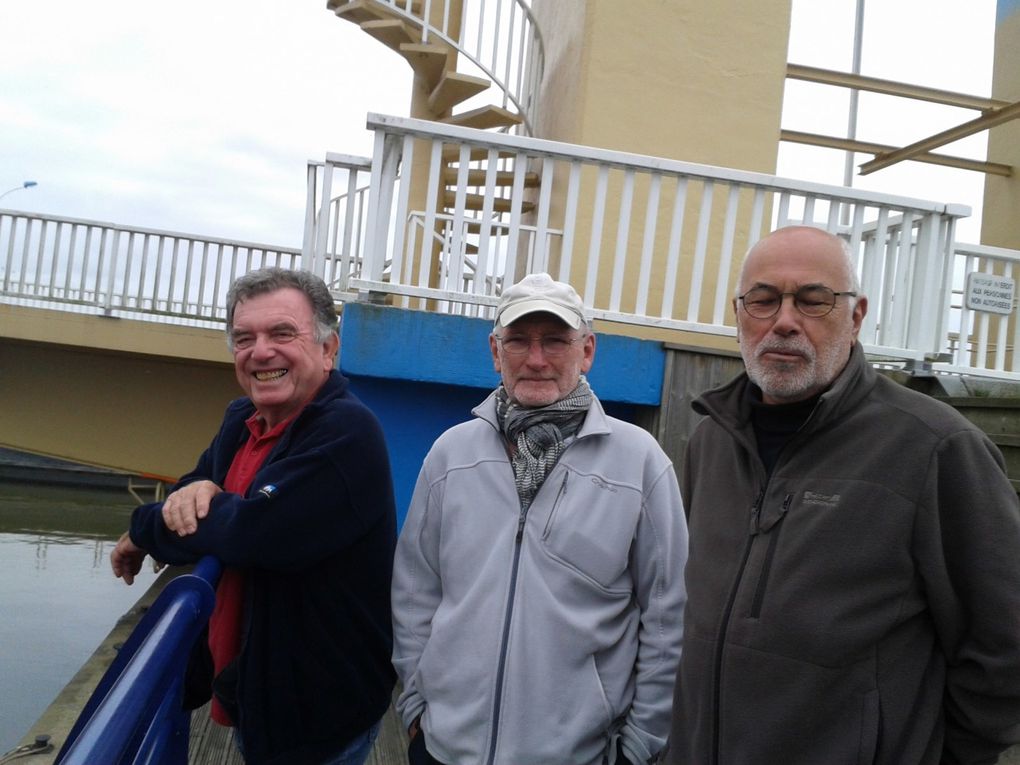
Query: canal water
[[58, 599]]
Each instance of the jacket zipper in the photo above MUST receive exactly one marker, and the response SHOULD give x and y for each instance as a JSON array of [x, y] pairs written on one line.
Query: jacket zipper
[[556, 504], [766, 566], [507, 617], [724, 626]]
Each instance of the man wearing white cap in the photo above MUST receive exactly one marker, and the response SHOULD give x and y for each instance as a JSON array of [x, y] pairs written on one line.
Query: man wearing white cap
[[538, 583]]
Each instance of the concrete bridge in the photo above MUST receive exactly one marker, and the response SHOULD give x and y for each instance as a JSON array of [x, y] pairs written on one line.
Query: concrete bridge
[[135, 396]]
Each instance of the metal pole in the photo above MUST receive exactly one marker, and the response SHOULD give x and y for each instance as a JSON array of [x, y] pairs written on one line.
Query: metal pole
[[851, 128]]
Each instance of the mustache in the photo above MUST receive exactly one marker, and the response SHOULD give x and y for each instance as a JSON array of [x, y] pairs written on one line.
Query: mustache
[[799, 347]]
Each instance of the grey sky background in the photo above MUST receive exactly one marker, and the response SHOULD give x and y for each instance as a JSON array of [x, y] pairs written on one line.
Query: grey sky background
[[199, 115]]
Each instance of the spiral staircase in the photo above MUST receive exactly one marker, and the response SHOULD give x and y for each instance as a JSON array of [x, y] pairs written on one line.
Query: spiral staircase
[[475, 63]]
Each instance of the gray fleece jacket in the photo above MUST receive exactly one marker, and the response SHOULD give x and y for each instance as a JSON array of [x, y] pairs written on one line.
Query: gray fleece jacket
[[544, 638]]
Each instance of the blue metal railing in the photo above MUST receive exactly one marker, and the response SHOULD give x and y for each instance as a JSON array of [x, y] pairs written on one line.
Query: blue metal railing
[[135, 714]]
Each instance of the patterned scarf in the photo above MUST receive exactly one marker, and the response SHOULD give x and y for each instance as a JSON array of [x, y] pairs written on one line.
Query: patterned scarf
[[538, 435]]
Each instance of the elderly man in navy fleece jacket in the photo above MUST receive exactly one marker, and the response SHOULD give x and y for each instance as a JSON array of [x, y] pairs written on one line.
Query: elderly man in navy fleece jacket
[[294, 497]]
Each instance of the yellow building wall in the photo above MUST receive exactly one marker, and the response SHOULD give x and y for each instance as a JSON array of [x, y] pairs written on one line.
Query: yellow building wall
[[1000, 219], [686, 80]]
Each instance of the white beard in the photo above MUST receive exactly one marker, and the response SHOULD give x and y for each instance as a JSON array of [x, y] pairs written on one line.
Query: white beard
[[798, 380]]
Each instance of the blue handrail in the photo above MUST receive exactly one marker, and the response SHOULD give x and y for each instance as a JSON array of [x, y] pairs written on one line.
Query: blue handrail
[[135, 715]]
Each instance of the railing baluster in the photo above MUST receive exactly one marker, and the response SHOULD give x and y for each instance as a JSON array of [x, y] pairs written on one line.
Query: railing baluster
[[673, 252], [622, 237], [40, 257], [72, 250], [516, 202], [54, 260], [26, 248], [485, 224], [202, 274], [1002, 323], [541, 257], [700, 251], [400, 260], [570, 221], [648, 243], [722, 296], [757, 215], [594, 244]]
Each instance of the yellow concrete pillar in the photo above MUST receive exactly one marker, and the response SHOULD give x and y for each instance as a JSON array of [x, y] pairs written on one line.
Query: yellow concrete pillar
[[701, 82], [684, 79], [1000, 220], [1000, 214]]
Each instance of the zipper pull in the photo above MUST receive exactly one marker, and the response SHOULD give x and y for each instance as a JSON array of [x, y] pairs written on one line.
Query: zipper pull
[[520, 525], [756, 512]]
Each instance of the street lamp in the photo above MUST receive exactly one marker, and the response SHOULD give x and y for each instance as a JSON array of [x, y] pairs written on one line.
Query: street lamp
[[25, 185]]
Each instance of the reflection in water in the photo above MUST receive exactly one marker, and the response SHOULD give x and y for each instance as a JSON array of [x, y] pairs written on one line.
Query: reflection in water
[[58, 598]]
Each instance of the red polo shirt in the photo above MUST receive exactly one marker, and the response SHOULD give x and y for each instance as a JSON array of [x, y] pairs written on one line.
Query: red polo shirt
[[225, 622]]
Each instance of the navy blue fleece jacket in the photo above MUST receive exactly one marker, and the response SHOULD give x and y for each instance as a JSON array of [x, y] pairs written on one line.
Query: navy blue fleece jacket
[[314, 535]]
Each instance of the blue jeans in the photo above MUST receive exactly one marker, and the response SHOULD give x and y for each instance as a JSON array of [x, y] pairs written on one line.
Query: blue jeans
[[356, 752]]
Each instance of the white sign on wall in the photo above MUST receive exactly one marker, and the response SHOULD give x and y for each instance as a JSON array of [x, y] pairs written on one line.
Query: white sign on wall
[[990, 293]]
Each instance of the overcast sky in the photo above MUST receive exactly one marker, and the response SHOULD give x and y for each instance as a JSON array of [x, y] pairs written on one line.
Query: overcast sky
[[199, 115]]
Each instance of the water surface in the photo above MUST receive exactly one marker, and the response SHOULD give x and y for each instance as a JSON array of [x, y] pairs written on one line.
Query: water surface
[[58, 599]]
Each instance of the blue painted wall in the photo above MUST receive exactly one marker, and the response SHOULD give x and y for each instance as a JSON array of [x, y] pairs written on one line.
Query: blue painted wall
[[423, 372]]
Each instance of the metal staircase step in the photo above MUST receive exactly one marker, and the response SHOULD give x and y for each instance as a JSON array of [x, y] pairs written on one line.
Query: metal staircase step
[[391, 32], [455, 88], [476, 177], [360, 11], [477, 202], [484, 118]]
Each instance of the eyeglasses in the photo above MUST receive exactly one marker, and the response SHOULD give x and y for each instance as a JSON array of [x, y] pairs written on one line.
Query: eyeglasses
[[552, 346], [813, 300]]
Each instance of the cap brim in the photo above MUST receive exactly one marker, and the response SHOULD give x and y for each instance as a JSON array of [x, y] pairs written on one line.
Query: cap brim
[[516, 311]]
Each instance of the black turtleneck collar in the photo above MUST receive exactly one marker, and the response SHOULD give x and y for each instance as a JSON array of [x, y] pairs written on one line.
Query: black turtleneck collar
[[775, 424]]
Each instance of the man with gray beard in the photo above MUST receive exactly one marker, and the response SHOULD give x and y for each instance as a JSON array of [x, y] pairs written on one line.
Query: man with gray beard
[[854, 571]]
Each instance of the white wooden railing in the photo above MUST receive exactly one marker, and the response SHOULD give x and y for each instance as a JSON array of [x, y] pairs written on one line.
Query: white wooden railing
[[648, 242], [334, 235], [645, 240], [116, 270], [983, 340]]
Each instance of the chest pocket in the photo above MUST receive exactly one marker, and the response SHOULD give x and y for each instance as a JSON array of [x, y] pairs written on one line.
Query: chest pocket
[[590, 528]]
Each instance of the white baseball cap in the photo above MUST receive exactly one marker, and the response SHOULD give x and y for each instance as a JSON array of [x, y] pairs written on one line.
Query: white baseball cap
[[539, 292]]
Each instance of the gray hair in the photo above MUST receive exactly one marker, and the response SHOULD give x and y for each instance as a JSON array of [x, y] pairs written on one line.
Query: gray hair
[[266, 280]]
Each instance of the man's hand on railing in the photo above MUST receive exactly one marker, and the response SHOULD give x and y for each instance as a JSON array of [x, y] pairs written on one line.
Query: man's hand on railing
[[126, 559], [184, 508]]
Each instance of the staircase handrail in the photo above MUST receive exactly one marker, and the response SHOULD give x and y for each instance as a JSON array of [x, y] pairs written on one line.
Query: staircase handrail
[[528, 70]]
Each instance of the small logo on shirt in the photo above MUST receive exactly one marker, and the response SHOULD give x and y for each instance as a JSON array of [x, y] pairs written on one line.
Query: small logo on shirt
[[268, 491], [826, 500], [602, 484]]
